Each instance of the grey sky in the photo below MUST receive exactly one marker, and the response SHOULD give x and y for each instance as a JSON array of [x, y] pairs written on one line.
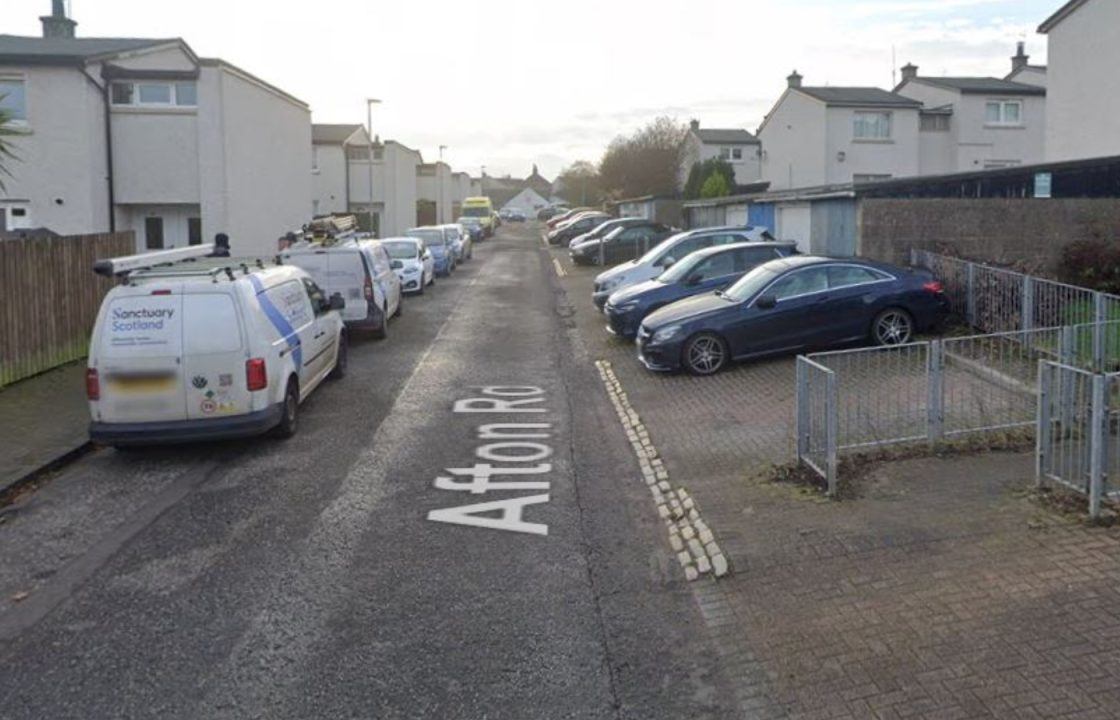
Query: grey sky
[[506, 83]]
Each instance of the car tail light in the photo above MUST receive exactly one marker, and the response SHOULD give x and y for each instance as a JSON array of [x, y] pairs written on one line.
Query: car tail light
[[93, 384], [369, 288], [934, 286], [256, 375]]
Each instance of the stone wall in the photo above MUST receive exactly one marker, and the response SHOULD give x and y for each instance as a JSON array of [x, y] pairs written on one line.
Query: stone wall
[[1026, 234]]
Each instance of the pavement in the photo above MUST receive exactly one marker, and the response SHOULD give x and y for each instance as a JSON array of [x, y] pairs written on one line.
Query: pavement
[[942, 588], [42, 419], [328, 575]]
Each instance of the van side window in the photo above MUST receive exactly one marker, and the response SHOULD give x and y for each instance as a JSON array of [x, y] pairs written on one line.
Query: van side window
[[317, 297], [380, 260]]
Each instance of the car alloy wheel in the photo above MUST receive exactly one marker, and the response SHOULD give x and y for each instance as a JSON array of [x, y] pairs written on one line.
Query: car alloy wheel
[[893, 327], [705, 354]]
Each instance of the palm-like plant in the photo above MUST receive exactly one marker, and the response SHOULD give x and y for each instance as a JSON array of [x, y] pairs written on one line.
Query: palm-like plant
[[7, 155]]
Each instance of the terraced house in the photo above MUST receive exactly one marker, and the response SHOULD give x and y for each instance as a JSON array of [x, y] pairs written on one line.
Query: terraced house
[[144, 135]]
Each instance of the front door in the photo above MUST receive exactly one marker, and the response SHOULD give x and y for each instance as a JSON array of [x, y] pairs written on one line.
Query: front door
[[320, 356], [153, 233]]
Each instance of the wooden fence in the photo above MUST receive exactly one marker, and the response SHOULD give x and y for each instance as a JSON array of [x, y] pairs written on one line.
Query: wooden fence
[[49, 296]]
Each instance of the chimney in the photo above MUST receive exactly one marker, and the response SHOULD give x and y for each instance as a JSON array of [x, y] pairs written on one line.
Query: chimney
[[57, 25], [694, 124], [1020, 59], [794, 79], [909, 71]]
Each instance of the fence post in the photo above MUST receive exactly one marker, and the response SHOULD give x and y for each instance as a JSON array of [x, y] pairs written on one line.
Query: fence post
[[802, 409], [1096, 447], [1098, 331], [935, 403], [1066, 380], [832, 412], [970, 298], [1027, 310], [1043, 429]]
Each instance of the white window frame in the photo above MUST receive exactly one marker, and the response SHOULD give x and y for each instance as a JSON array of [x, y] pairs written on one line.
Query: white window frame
[[22, 79], [873, 138], [172, 90], [1003, 105], [736, 150], [725, 153]]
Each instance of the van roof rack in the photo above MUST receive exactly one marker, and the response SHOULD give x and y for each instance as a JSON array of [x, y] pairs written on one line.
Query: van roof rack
[[193, 261]]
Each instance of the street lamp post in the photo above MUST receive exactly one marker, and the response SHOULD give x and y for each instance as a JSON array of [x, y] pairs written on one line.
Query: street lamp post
[[370, 102], [439, 187]]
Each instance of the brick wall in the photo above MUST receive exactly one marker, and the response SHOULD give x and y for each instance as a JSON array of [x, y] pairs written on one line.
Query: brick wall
[[1026, 234]]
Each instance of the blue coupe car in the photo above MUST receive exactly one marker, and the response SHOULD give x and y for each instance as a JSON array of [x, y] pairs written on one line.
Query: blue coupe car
[[790, 305], [704, 271]]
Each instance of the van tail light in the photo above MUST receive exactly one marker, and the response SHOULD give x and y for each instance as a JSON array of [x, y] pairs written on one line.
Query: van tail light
[[256, 375], [934, 286], [93, 384], [369, 289]]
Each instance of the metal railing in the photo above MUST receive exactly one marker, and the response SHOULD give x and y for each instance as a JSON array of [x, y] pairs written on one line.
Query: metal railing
[[930, 391], [816, 419], [1077, 443], [996, 300]]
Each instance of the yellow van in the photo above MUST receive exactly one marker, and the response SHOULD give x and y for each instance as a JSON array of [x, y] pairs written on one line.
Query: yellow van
[[481, 208]]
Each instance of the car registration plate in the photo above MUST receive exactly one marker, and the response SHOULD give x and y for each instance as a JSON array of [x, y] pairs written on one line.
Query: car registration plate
[[142, 383]]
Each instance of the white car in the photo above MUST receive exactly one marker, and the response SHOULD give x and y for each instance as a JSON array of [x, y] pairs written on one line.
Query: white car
[[662, 256], [208, 349], [460, 239], [360, 271], [412, 262]]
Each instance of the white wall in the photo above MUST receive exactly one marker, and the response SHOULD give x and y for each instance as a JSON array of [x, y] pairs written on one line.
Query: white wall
[[1083, 112], [747, 170], [793, 143], [897, 157], [255, 151], [62, 156], [400, 189], [176, 223], [328, 179], [1029, 76], [155, 155], [428, 187]]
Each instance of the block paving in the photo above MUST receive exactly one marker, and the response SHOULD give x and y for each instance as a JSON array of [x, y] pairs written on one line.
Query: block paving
[[943, 589]]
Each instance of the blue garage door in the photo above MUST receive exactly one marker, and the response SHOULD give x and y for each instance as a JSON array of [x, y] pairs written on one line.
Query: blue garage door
[[761, 215]]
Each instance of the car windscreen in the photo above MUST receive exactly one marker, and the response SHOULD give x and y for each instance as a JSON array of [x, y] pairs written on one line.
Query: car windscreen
[[656, 250], [479, 212], [681, 270], [750, 284], [431, 238], [400, 250]]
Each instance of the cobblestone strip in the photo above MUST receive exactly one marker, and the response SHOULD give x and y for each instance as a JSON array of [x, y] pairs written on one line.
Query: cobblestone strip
[[689, 536]]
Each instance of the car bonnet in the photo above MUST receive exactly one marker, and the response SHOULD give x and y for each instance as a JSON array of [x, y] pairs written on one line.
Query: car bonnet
[[687, 309]]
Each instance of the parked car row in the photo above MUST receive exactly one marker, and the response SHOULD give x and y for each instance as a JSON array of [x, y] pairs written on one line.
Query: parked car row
[[703, 299], [511, 215], [191, 347]]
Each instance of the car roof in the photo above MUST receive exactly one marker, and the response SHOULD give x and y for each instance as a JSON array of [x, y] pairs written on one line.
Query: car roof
[[401, 239], [717, 249], [800, 261]]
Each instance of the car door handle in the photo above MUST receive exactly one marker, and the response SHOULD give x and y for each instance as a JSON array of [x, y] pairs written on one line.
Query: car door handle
[[320, 335]]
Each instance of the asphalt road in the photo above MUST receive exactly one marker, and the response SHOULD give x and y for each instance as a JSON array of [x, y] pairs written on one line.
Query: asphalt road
[[343, 573]]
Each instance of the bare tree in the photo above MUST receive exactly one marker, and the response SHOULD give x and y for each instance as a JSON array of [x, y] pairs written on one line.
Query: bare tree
[[581, 183], [645, 163]]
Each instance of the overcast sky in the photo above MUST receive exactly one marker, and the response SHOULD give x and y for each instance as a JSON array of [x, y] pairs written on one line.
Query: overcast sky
[[508, 83]]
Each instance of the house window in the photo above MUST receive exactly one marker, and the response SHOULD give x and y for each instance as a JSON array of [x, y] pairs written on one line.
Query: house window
[[13, 98], [872, 126], [934, 123], [194, 231], [736, 153], [314, 158], [153, 233], [358, 152], [725, 153], [1004, 112], [155, 94]]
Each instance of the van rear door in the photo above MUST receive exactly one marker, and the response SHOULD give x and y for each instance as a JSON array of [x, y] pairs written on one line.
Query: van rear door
[[139, 354], [347, 275], [214, 355]]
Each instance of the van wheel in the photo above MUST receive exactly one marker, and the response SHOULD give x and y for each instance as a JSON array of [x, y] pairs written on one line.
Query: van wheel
[[383, 332], [289, 420], [343, 359]]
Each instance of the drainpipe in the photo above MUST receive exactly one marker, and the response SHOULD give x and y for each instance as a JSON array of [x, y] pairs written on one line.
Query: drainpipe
[[104, 90], [346, 156]]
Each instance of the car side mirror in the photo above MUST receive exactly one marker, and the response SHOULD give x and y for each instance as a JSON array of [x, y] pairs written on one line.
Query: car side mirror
[[668, 262], [427, 254], [396, 264], [766, 302], [336, 302]]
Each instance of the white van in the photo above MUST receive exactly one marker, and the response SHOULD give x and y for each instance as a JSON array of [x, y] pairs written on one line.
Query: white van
[[361, 272], [207, 349]]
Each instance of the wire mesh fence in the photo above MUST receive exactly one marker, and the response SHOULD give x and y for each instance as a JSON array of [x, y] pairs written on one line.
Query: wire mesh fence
[[816, 419]]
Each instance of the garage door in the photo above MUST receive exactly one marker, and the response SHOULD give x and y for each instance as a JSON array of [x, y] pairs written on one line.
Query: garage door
[[795, 222], [737, 215]]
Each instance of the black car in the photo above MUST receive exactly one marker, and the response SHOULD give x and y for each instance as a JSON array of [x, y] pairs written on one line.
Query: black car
[[606, 228], [790, 305], [704, 271], [621, 244], [590, 221], [550, 212]]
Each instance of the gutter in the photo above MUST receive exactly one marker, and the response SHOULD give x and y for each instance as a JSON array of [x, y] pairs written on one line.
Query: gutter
[[104, 90]]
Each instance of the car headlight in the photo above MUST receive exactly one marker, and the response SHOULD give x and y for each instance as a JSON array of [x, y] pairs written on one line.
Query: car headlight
[[625, 306], [667, 333], [611, 284], [411, 270]]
